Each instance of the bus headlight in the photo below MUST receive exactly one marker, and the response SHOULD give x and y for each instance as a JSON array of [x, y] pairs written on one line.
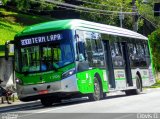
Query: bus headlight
[[19, 81], [68, 73]]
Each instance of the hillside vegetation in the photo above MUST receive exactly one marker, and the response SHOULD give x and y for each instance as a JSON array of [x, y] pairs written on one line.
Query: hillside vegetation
[[155, 49], [14, 22]]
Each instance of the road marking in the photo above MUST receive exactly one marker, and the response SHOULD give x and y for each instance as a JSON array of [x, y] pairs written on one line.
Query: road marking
[[49, 110], [124, 116]]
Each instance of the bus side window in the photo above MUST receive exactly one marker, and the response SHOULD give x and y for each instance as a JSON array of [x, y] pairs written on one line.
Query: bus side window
[[97, 50], [141, 52], [82, 52], [116, 54], [89, 52], [147, 54], [80, 46], [90, 48], [133, 55]]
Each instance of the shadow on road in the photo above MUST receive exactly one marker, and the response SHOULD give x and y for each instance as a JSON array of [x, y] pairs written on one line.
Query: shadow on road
[[71, 102]]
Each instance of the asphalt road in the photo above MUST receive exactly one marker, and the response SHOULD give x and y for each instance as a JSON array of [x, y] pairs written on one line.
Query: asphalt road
[[145, 105]]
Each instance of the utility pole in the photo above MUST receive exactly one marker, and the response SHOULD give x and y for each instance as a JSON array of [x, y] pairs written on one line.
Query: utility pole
[[121, 17], [135, 24]]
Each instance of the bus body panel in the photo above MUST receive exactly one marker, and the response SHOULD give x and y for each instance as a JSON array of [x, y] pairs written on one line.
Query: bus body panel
[[86, 80], [68, 84], [43, 77]]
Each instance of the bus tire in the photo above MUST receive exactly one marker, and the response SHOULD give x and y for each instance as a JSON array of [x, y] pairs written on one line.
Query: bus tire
[[96, 95], [104, 95], [46, 102], [138, 89], [129, 92]]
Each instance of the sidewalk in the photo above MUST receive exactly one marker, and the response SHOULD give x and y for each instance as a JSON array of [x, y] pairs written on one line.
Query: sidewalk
[[14, 102], [17, 105], [18, 102]]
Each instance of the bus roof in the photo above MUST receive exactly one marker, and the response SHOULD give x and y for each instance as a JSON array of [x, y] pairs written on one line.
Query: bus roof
[[81, 25]]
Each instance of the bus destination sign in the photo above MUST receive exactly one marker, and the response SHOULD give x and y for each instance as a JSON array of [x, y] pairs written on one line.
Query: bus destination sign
[[41, 39]]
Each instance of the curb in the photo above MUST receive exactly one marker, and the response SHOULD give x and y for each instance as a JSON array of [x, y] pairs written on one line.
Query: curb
[[18, 106], [151, 89]]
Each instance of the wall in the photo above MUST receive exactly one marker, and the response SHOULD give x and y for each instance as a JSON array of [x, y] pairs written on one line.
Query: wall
[[6, 72]]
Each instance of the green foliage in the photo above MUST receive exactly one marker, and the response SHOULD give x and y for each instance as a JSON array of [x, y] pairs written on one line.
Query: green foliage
[[23, 4], [8, 30], [11, 23], [33, 5], [111, 18], [147, 11], [8, 26], [4, 1], [156, 85], [117, 5], [155, 49]]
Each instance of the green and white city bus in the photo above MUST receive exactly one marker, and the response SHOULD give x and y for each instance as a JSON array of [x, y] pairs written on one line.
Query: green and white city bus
[[71, 58]]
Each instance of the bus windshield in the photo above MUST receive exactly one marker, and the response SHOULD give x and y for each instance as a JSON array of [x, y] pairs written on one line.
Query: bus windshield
[[45, 57]]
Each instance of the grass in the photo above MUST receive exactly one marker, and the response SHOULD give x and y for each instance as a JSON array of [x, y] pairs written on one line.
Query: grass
[[156, 85], [12, 22], [8, 30], [1, 54]]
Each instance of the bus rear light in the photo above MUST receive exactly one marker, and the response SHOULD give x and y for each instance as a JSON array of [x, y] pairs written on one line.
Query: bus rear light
[[43, 92]]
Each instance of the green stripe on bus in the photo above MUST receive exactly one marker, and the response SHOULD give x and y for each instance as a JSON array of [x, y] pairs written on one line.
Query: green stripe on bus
[[120, 78]]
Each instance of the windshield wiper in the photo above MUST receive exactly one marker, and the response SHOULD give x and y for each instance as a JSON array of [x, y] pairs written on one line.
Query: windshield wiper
[[55, 67]]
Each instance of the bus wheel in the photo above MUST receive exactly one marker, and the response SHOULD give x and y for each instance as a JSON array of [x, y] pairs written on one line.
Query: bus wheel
[[138, 85], [97, 91], [138, 89], [104, 95], [46, 102]]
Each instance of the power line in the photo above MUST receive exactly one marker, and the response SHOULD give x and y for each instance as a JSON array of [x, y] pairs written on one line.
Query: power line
[[84, 8], [153, 24], [67, 8], [93, 3], [80, 10], [74, 9], [87, 11]]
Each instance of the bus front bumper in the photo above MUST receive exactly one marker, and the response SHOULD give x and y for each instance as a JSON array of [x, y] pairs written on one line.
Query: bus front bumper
[[37, 91]]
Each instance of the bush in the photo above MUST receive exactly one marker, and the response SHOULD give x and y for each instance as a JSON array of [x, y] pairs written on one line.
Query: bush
[[154, 40]]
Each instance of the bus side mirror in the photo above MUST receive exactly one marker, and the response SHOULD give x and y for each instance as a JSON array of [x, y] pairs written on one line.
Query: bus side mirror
[[81, 49], [81, 57]]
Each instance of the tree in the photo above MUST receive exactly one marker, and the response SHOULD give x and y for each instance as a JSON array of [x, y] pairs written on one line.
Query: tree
[[4, 1], [146, 9], [34, 5], [119, 5], [113, 10], [154, 40]]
